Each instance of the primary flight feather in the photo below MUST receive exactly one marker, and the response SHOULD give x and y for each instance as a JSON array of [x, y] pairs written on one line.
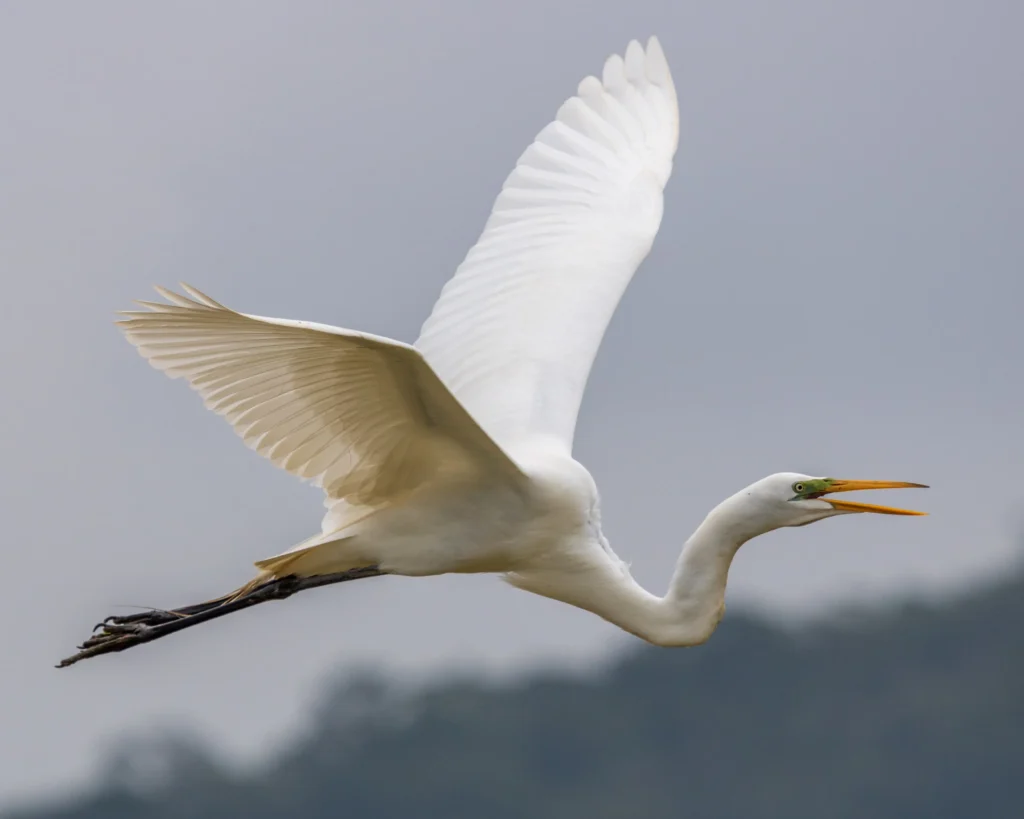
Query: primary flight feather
[[455, 454]]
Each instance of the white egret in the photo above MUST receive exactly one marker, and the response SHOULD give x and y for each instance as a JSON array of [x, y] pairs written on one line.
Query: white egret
[[455, 454]]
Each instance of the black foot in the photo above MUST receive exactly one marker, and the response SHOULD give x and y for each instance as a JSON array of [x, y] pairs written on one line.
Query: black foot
[[117, 633]]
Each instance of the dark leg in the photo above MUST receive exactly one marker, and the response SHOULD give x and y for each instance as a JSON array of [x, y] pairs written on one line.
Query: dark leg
[[118, 633]]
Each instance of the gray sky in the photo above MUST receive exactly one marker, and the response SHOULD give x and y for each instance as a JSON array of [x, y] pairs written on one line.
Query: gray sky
[[836, 289]]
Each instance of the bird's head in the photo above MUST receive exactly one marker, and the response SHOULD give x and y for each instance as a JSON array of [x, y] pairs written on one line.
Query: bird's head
[[792, 499]]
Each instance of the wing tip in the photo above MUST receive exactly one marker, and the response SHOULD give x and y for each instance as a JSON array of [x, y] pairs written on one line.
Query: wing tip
[[200, 297], [638, 64], [658, 71], [176, 302]]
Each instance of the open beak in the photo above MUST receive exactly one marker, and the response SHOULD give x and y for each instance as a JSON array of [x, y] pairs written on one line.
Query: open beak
[[853, 506]]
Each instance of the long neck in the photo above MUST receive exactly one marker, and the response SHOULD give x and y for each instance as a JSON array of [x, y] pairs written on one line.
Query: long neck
[[695, 602]]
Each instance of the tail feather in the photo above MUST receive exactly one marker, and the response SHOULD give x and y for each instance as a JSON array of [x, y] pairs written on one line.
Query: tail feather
[[320, 554]]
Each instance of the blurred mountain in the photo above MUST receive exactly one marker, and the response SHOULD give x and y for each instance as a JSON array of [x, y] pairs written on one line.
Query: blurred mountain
[[915, 712]]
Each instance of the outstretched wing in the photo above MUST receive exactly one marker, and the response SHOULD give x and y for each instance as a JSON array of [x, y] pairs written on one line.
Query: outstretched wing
[[361, 416], [516, 330]]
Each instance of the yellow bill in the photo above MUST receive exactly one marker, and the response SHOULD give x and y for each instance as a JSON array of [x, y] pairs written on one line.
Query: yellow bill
[[837, 485]]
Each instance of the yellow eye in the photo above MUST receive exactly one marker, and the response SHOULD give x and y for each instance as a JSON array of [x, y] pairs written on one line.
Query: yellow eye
[[799, 488]]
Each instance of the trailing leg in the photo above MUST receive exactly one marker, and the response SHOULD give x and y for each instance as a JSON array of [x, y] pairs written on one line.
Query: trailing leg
[[116, 633]]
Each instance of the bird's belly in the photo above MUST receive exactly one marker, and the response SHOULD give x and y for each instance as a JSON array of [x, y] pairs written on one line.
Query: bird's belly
[[487, 529], [464, 531]]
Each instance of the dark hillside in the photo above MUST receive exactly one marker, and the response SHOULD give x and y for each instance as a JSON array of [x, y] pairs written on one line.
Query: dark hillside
[[912, 713]]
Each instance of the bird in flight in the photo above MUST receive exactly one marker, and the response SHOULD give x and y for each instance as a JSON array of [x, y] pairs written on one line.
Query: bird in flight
[[454, 454]]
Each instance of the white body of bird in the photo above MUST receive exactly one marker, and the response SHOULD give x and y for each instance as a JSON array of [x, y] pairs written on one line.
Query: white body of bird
[[455, 454]]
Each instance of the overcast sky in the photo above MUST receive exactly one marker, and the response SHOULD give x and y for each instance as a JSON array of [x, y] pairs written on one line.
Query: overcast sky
[[836, 289]]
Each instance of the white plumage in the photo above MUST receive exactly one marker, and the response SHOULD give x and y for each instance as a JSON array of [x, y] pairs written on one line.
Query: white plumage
[[516, 330], [363, 417], [455, 455]]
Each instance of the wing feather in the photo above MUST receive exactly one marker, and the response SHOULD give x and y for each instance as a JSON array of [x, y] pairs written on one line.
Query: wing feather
[[361, 416], [517, 328]]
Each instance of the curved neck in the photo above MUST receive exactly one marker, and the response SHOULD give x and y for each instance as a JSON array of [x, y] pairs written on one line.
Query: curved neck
[[696, 593], [693, 607]]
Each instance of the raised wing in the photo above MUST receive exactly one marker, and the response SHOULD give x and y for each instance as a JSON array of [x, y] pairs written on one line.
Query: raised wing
[[515, 332], [361, 416]]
